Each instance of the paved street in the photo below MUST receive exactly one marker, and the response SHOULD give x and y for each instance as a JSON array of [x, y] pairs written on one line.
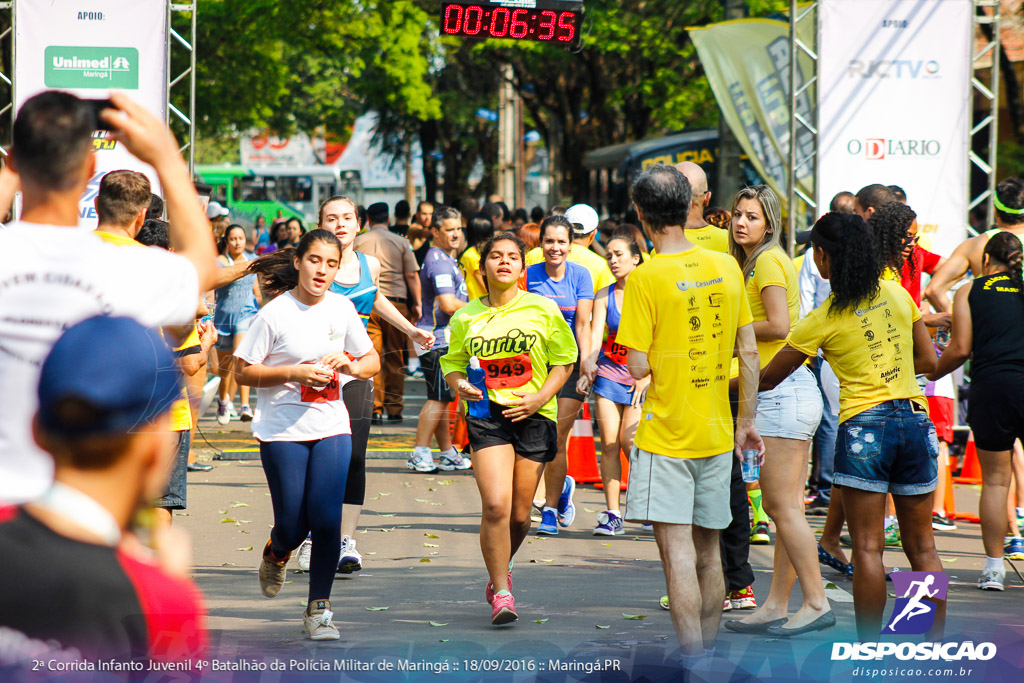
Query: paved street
[[581, 598]]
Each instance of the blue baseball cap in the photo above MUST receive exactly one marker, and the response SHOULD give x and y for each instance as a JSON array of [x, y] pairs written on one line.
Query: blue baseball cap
[[122, 371]]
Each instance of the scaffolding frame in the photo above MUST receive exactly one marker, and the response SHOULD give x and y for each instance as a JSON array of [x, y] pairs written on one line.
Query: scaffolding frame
[[8, 36], [990, 121], [187, 77], [798, 121]]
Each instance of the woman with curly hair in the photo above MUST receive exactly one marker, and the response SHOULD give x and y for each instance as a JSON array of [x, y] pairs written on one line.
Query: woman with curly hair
[[988, 321], [872, 335]]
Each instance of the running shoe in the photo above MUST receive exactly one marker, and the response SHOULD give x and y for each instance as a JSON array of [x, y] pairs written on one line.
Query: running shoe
[[246, 414], [536, 511], [663, 603], [548, 522], [489, 590], [892, 536], [941, 522], [305, 550], [743, 599], [759, 534], [421, 462], [992, 579], [728, 604], [222, 413], [232, 413], [316, 621], [1014, 548], [350, 559], [816, 508], [272, 572], [647, 526], [503, 609], [609, 524], [453, 460], [566, 510]]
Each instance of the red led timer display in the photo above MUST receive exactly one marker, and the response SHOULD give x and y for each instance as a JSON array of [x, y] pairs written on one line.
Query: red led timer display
[[546, 22]]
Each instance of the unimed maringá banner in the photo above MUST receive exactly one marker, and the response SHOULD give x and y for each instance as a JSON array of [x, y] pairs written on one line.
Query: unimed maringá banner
[[894, 106], [90, 50], [747, 65]]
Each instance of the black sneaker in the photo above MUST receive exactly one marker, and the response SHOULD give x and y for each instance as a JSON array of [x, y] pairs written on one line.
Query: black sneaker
[[395, 418], [941, 522], [377, 419], [817, 508]]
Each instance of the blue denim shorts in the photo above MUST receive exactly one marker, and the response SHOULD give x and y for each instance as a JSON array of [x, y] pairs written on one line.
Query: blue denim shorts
[[175, 497], [889, 448]]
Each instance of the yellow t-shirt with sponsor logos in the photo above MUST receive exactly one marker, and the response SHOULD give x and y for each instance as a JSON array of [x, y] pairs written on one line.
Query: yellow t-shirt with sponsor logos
[[683, 311], [530, 324], [870, 348], [600, 273]]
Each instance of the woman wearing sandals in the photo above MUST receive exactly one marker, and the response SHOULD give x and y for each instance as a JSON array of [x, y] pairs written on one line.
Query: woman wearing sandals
[[293, 354], [787, 417], [872, 335], [509, 354]]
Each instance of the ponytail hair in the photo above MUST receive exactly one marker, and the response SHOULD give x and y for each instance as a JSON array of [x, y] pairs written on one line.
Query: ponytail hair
[[1006, 248], [277, 271], [856, 268]]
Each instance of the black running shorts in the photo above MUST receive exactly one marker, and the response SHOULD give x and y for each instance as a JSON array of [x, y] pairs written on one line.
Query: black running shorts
[[534, 438]]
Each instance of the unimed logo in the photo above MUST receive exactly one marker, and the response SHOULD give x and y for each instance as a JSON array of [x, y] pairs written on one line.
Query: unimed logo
[[92, 67]]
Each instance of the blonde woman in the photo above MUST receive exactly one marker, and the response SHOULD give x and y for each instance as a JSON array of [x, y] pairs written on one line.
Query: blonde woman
[[787, 416]]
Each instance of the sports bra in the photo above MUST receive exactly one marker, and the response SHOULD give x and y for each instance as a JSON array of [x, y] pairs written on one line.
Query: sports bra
[[363, 293]]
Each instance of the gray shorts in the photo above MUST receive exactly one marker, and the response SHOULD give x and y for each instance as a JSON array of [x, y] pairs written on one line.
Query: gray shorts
[[679, 490]]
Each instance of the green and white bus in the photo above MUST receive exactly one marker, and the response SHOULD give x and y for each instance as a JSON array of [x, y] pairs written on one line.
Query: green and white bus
[[270, 191]]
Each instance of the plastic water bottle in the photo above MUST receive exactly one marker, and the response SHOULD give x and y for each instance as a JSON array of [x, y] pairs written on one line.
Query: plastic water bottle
[[750, 468], [476, 377]]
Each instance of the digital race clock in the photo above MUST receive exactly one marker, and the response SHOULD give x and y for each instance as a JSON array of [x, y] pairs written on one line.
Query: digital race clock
[[549, 21]]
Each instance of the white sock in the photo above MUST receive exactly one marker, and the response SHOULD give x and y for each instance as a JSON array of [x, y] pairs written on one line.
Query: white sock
[[451, 452], [995, 563], [1020, 512], [422, 450], [615, 512], [539, 503]]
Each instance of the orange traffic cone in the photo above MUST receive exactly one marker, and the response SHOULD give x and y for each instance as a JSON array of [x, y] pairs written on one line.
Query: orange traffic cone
[[970, 473], [582, 456], [949, 499], [624, 478], [457, 426]]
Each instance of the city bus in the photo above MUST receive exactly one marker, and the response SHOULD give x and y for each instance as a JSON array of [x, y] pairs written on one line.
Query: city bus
[[272, 191]]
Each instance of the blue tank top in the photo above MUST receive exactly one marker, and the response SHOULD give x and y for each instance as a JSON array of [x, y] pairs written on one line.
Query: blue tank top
[[235, 301], [363, 293]]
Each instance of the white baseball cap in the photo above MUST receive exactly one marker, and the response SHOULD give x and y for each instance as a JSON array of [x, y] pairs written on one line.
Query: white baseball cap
[[583, 218], [215, 210]]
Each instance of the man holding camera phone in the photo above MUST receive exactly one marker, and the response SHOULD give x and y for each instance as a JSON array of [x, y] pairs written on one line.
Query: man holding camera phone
[[53, 275]]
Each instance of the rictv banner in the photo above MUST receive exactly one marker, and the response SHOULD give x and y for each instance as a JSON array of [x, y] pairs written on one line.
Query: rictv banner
[[894, 106], [108, 46]]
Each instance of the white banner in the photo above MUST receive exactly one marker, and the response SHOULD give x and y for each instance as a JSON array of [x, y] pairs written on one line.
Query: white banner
[[108, 46], [894, 106], [262, 149]]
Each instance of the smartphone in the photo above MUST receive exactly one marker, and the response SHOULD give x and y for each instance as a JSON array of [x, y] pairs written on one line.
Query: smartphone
[[97, 106]]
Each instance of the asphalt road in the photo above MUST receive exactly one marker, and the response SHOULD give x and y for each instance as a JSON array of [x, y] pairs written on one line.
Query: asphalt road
[[588, 605]]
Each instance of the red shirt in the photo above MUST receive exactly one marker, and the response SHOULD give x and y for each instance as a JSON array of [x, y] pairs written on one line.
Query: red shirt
[[924, 261]]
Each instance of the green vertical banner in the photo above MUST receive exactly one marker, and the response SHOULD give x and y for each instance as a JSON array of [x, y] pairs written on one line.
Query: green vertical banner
[[747, 65]]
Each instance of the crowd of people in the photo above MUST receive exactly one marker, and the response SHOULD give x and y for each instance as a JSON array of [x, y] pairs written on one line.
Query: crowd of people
[[701, 343]]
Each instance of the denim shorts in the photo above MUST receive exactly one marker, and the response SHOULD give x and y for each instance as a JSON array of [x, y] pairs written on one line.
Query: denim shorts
[[175, 497], [226, 333], [792, 410], [889, 448]]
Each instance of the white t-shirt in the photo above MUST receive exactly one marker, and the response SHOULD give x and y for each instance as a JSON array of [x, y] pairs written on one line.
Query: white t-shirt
[[50, 279], [288, 332]]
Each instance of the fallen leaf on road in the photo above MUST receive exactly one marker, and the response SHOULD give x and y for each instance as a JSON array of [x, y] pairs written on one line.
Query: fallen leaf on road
[[228, 520], [603, 628], [830, 585], [244, 531], [421, 500], [634, 617], [586, 509], [435, 553], [431, 488], [543, 560], [431, 535], [434, 623], [892, 595], [425, 559], [239, 505], [406, 484], [244, 521], [437, 504], [947, 560], [431, 545], [403, 526], [229, 564], [222, 512], [387, 514], [385, 530], [373, 553], [443, 640], [541, 621], [377, 609], [606, 545], [244, 549], [446, 482]]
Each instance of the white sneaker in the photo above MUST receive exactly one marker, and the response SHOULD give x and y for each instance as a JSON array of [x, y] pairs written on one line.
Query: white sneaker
[[421, 461], [453, 460], [223, 414], [232, 413], [350, 559], [316, 621], [305, 550], [992, 579]]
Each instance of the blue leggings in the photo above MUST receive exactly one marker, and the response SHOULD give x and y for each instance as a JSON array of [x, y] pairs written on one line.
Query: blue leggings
[[307, 486]]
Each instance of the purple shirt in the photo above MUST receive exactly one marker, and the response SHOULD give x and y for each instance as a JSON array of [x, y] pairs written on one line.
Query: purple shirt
[[440, 274]]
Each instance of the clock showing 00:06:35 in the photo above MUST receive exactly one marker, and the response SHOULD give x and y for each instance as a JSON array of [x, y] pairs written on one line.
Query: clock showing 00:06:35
[[518, 23]]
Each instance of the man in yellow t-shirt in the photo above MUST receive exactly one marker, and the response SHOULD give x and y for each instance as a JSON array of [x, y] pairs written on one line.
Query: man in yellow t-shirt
[[584, 222], [698, 230], [121, 206], [684, 314]]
